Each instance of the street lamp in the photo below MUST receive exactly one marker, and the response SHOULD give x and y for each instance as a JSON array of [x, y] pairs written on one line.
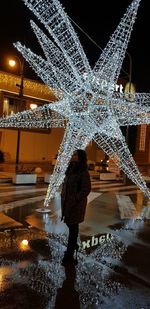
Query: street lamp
[[128, 90], [130, 71], [13, 63]]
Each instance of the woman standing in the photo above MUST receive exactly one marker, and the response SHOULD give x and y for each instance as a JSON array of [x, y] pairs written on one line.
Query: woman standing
[[75, 189]]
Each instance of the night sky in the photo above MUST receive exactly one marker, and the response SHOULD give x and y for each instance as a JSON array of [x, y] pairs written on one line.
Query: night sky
[[97, 18]]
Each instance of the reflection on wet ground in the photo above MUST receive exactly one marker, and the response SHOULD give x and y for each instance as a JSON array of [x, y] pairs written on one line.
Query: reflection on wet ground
[[113, 268], [32, 274]]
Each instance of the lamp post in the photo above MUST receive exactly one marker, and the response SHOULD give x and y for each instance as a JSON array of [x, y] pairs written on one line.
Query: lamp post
[[129, 93], [130, 98], [12, 62], [130, 71]]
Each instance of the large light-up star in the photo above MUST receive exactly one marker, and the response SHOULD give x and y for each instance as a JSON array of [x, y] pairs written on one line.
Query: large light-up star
[[87, 104]]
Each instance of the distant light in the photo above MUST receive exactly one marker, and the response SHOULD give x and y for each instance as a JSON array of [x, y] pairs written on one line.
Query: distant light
[[12, 62], [25, 242], [24, 245], [6, 100], [33, 106]]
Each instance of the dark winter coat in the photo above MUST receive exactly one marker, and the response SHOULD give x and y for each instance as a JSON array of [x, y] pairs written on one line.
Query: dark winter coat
[[75, 189]]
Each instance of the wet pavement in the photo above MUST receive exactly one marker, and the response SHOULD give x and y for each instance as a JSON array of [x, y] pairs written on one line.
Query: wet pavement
[[113, 269]]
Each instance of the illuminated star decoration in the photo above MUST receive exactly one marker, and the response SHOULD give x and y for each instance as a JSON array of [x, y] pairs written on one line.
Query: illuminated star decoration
[[87, 104]]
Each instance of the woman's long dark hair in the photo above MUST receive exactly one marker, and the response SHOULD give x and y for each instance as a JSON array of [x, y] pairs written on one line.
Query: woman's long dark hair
[[82, 156], [81, 165]]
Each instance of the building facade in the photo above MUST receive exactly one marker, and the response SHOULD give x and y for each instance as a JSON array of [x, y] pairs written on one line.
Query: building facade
[[35, 145], [41, 146]]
